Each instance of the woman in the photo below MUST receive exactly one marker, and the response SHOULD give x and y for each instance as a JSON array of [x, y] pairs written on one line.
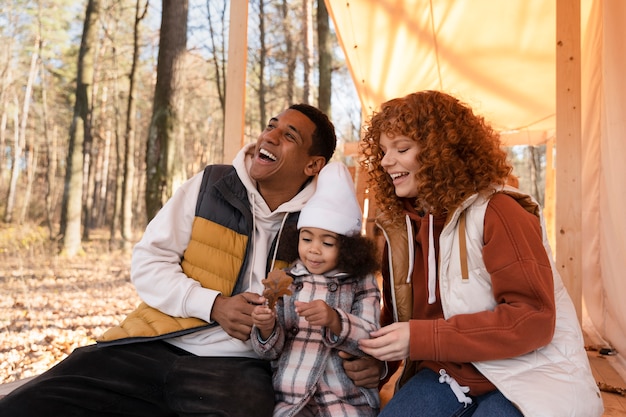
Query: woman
[[472, 301]]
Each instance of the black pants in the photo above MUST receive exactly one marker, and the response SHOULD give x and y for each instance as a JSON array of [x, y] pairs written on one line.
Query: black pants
[[145, 379]]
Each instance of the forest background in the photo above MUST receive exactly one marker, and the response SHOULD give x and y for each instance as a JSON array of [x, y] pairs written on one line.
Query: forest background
[[106, 106]]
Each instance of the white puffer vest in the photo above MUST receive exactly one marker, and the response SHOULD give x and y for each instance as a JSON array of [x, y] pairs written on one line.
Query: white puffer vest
[[553, 381]]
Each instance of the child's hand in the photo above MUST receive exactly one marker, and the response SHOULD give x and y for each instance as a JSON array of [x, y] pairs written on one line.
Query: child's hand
[[318, 313], [264, 319]]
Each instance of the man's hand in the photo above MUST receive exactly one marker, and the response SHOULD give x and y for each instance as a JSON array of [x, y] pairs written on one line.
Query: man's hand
[[365, 371], [234, 313]]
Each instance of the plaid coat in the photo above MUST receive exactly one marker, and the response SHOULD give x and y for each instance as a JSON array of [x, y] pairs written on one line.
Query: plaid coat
[[308, 373]]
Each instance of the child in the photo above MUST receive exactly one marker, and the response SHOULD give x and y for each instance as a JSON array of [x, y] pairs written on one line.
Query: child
[[335, 302]]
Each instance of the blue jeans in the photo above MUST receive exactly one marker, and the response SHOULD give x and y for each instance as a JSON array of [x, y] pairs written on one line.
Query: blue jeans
[[424, 396]]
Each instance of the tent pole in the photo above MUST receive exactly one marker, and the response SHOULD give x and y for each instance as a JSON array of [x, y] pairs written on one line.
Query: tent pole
[[568, 218], [236, 79]]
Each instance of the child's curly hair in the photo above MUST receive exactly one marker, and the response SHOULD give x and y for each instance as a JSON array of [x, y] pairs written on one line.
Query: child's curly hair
[[459, 155], [358, 255]]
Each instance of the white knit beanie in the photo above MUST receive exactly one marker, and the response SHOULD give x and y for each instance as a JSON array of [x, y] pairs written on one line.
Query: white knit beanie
[[334, 206]]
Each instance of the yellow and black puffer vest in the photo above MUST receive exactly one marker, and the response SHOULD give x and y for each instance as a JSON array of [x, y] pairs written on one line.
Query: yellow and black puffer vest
[[216, 256]]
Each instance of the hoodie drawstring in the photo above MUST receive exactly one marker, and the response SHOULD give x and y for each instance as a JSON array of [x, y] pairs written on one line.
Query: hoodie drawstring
[[432, 263], [411, 248], [282, 225], [457, 389], [253, 235], [280, 231]]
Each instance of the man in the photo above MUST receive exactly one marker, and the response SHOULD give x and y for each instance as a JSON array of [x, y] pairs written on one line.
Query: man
[[198, 269]]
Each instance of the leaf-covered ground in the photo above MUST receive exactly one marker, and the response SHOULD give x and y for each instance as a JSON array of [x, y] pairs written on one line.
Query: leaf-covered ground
[[51, 304]]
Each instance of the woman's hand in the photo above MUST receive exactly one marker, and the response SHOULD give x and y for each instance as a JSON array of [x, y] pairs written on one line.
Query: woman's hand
[[390, 343]]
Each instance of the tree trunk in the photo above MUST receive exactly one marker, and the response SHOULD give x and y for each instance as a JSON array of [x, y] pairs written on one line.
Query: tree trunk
[[18, 149], [533, 159], [29, 140], [218, 57], [129, 133], [6, 74], [291, 55], [31, 163], [91, 148], [3, 131], [307, 30], [164, 163], [114, 224], [51, 153], [262, 59], [21, 137], [325, 57], [101, 163], [80, 127]]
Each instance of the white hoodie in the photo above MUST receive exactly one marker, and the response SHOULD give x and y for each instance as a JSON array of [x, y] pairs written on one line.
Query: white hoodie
[[158, 275]]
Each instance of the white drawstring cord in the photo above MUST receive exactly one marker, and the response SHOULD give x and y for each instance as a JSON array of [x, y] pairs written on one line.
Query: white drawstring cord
[[251, 268], [432, 263], [411, 241], [280, 232], [458, 390]]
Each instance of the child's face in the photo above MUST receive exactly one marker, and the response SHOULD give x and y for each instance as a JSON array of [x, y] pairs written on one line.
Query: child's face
[[318, 249]]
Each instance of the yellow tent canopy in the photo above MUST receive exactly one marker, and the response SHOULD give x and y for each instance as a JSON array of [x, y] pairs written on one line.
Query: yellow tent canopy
[[539, 71]]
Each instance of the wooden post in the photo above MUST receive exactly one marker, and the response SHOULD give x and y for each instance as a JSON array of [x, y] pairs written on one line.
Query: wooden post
[[568, 218], [236, 79]]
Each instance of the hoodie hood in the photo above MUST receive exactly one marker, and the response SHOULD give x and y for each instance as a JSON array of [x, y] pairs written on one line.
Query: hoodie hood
[[267, 224]]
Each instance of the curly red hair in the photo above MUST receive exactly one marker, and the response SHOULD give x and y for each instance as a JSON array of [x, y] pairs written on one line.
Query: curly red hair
[[460, 154]]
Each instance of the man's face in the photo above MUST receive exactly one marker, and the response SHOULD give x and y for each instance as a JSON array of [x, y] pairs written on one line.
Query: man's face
[[281, 155]]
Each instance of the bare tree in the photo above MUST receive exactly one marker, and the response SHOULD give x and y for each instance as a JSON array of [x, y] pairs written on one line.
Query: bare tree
[[119, 155], [218, 58], [164, 163], [92, 140], [291, 54], [20, 142], [325, 58], [534, 165], [7, 62], [262, 58], [129, 132], [218, 55], [50, 138], [101, 155], [307, 30], [79, 128]]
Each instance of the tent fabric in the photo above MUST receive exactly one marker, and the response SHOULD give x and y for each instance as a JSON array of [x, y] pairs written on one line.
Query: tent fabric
[[470, 49], [500, 58], [604, 168]]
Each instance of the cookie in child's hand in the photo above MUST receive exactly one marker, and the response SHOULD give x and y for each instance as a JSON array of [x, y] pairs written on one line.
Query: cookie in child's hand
[[276, 285]]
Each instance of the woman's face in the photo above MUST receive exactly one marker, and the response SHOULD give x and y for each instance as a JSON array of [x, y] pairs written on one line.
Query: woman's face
[[400, 162]]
